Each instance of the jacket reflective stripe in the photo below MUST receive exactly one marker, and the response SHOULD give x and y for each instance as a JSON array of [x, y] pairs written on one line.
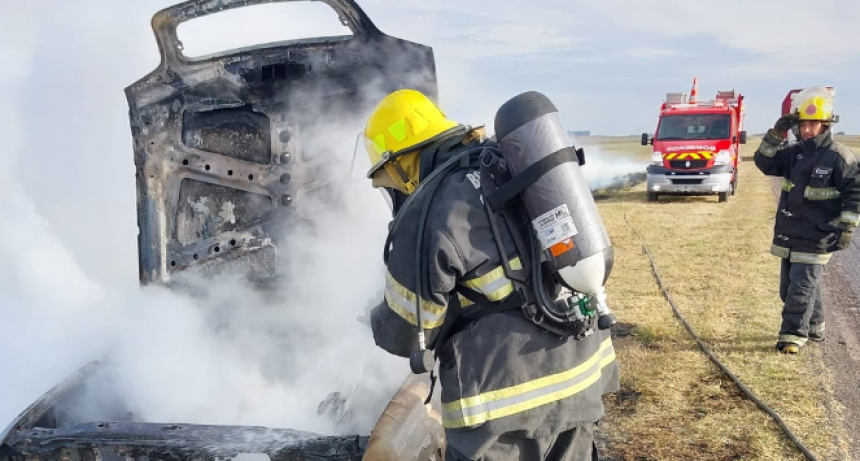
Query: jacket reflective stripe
[[402, 301], [782, 252], [799, 256], [821, 193], [769, 145], [794, 339], [494, 285], [810, 258], [787, 185], [476, 410], [850, 217]]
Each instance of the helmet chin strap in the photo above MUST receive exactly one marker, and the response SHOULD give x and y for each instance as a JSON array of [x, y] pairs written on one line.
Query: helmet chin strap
[[394, 171], [381, 179]]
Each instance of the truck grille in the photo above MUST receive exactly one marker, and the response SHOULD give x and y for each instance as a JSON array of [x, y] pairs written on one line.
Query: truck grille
[[682, 164], [686, 181]]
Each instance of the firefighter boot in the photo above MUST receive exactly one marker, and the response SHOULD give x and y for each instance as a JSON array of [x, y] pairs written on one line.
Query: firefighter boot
[[787, 348], [816, 332]]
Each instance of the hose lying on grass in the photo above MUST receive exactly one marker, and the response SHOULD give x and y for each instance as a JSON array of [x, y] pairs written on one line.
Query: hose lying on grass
[[800, 446]]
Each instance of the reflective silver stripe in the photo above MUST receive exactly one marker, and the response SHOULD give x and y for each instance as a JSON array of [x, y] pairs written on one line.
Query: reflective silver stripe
[[472, 411], [810, 258], [767, 149], [505, 287], [799, 256], [494, 285], [777, 250], [402, 301], [793, 339], [821, 193], [850, 217]]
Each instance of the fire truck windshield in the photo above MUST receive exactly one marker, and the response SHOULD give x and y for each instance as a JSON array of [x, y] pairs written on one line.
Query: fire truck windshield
[[694, 127]]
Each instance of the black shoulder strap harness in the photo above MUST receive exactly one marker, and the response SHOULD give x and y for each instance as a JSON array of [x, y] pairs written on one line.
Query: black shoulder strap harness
[[504, 208], [502, 204]]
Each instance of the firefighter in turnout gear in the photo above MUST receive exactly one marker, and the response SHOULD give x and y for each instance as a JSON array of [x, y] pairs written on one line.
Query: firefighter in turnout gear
[[818, 211], [510, 390]]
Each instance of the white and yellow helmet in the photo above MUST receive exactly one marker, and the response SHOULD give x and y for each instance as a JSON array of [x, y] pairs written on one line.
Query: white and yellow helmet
[[814, 103]]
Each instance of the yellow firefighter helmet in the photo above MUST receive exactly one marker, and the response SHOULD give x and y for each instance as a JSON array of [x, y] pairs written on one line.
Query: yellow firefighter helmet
[[814, 103], [402, 123]]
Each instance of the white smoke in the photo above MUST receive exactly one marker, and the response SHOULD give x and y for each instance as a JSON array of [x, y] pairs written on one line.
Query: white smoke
[[68, 281], [229, 358], [68, 278], [604, 168]]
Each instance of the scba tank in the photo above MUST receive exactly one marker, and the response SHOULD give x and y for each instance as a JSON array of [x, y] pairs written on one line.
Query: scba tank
[[559, 203]]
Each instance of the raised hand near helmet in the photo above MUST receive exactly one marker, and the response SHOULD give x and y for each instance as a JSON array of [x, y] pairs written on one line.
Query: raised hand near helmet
[[785, 123]]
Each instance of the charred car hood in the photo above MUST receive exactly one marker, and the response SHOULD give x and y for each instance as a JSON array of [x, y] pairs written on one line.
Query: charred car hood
[[222, 145], [50, 430]]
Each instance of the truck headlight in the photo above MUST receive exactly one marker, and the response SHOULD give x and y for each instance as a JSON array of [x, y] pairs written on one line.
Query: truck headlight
[[657, 158], [724, 157]]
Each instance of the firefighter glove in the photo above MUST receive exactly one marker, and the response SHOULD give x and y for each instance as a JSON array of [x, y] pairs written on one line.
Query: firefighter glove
[[785, 123], [364, 318], [844, 240]]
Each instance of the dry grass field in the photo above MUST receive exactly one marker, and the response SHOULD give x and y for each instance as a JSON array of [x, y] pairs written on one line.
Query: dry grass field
[[675, 404]]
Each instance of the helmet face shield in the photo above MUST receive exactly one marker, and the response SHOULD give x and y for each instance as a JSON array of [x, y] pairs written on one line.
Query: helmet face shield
[[381, 156]]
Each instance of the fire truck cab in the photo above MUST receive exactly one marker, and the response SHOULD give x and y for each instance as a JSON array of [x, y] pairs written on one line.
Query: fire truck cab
[[696, 145]]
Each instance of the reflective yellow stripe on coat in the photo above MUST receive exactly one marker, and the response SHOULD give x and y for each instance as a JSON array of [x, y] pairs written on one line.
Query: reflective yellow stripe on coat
[[472, 411], [799, 256], [402, 301], [494, 285], [850, 217], [821, 193]]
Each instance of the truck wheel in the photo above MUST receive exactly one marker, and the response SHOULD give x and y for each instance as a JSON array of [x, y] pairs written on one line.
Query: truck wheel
[[724, 196], [652, 196]]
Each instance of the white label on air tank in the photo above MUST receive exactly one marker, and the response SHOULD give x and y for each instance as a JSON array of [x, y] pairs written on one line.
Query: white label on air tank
[[554, 226]]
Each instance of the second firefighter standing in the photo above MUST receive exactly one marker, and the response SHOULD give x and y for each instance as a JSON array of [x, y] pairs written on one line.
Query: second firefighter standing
[[818, 211]]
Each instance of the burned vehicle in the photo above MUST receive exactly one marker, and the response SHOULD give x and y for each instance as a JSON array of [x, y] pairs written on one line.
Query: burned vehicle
[[225, 163]]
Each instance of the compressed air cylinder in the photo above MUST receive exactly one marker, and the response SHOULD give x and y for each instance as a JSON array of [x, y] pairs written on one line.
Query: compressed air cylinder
[[559, 203]]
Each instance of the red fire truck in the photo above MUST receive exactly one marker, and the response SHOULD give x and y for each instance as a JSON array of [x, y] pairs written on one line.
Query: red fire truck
[[696, 145]]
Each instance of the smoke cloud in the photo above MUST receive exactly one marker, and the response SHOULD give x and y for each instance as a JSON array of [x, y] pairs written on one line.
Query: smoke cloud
[[68, 243], [68, 282], [605, 169]]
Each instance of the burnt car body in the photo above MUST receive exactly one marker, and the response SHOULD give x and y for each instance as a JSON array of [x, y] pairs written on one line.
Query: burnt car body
[[222, 154], [224, 166]]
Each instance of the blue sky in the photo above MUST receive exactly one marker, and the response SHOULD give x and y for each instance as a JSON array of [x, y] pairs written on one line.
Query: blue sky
[[606, 65], [609, 64]]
